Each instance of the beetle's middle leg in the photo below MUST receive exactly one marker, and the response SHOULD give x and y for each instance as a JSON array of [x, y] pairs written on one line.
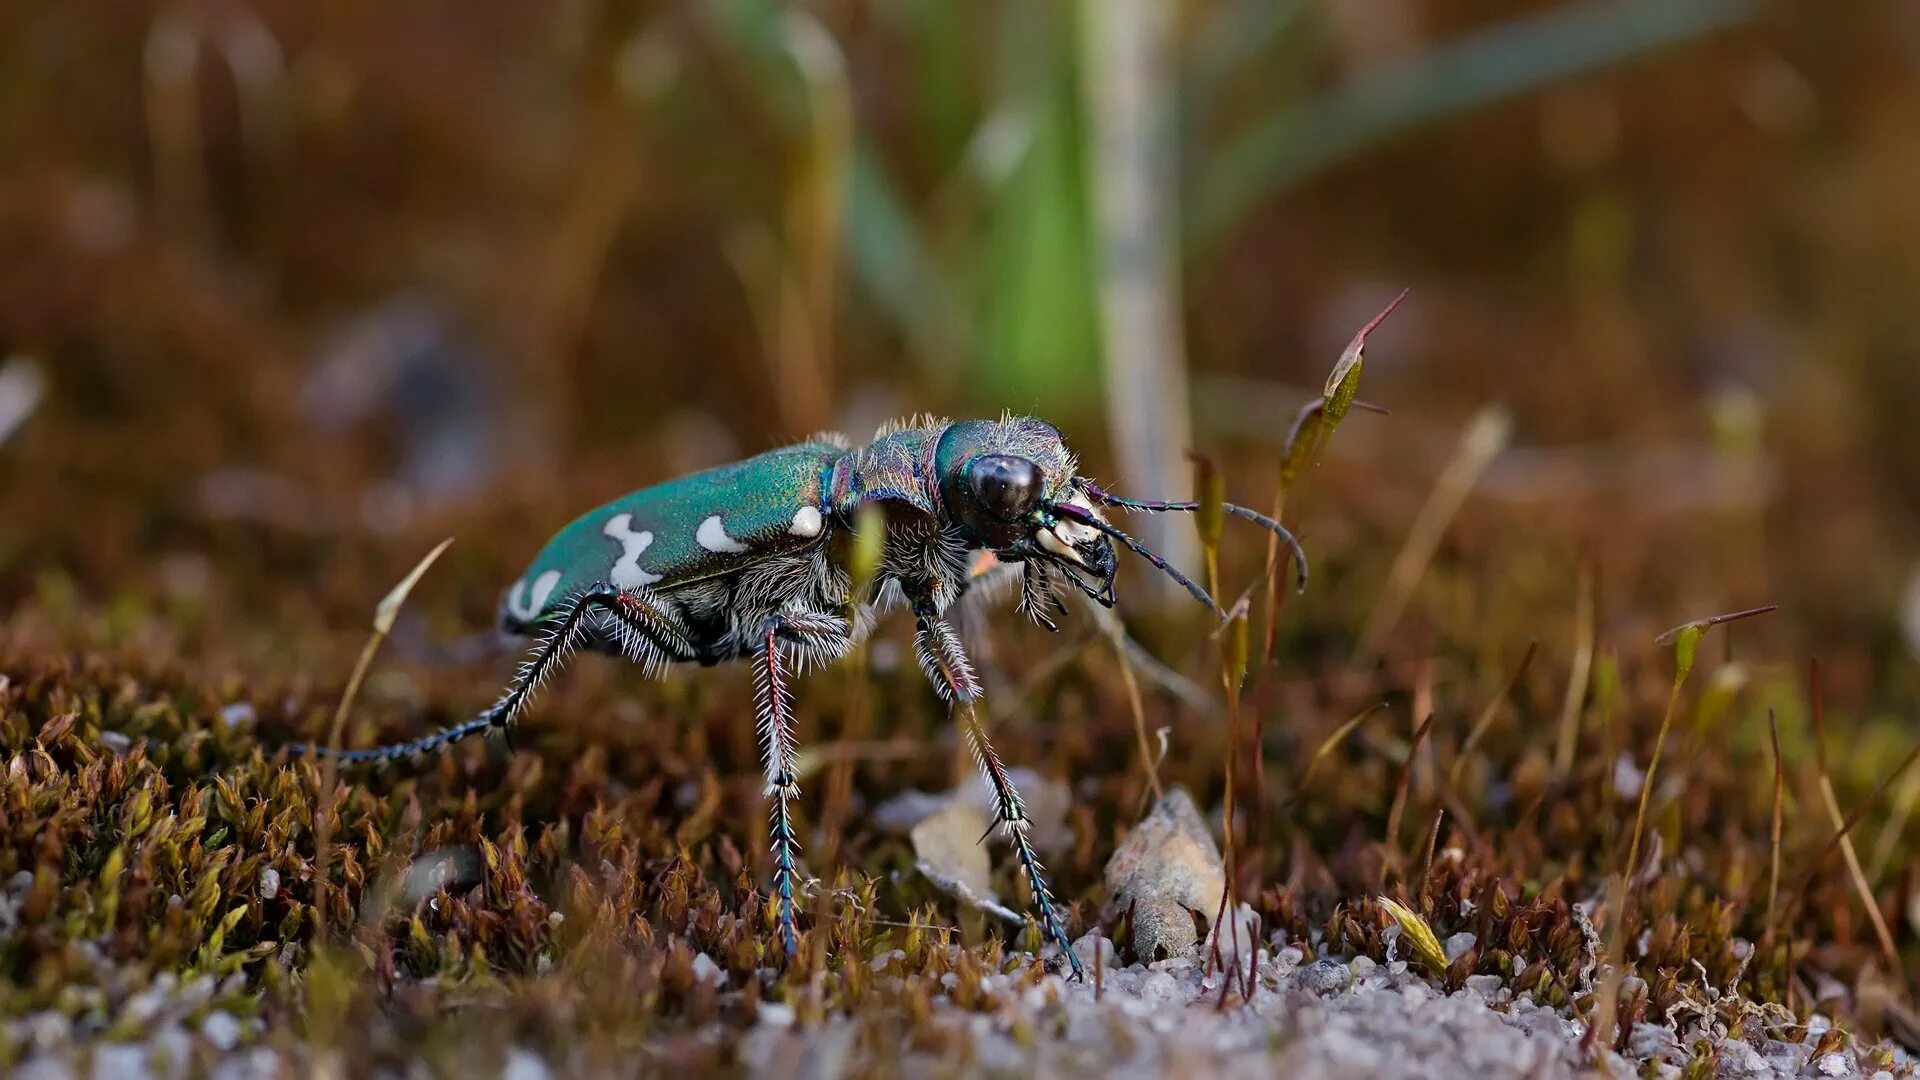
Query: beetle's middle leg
[[945, 663], [783, 639]]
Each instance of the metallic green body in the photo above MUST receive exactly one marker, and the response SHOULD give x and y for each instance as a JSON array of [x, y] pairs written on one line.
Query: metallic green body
[[686, 530]]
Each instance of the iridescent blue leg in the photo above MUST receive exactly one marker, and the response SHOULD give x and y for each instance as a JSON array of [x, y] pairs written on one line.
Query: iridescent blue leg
[[945, 663]]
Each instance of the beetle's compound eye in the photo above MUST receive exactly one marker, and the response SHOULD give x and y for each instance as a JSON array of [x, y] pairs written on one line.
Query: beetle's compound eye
[[1006, 486]]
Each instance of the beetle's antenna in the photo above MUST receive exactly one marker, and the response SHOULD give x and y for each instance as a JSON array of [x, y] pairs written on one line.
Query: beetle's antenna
[[1152, 506], [1082, 516]]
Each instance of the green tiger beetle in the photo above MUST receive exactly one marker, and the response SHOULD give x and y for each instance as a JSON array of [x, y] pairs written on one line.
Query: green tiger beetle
[[750, 560]]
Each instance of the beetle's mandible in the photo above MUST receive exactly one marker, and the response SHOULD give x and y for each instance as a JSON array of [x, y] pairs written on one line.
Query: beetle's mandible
[[749, 561]]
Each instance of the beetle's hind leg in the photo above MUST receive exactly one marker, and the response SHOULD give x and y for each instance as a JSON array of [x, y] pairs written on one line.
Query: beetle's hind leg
[[648, 635], [645, 629], [783, 639], [945, 663]]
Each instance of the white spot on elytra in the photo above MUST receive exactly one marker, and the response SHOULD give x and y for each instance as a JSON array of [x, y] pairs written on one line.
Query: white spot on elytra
[[713, 536], [525, 605], [807, 521], [626, 572]]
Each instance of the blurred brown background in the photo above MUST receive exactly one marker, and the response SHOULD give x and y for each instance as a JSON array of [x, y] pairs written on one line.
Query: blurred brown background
[[290, 290]]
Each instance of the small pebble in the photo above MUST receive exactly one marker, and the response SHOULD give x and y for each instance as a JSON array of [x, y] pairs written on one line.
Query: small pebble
[[143, 1006], [238, 714], [524, 1064], [1737, 1058], [1093, 942], [1325, 977], [1832, 1065], [48, 1029], [197, 992], [117, 741], [705, 970], [221, 1029], [1627, 777], [269, 883], [776, 1014], [1487, 986], [120, 1061], [43, 1068], [172, 1048], [1159, 987], [260, 1063], [1458, 944]]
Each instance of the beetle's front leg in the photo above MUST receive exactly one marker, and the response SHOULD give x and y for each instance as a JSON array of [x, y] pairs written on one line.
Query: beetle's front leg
[[807, 634], [944, 661]]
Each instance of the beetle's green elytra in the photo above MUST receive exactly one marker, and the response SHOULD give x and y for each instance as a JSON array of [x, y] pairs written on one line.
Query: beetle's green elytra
[[740, 562], [695, 527]]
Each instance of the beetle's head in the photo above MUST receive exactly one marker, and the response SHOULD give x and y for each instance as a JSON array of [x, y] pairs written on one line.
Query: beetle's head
[[1012, 487], [1005, 483]]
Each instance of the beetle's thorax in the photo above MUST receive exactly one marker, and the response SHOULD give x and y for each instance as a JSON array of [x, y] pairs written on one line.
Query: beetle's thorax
[[903, 463], [920, 555], [896, 467], [915, 471]]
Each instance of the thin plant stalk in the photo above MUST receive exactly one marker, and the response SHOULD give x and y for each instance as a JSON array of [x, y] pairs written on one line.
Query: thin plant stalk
[[1233, 666], [1134, 704], [383, 619], [1904, 801], [1576, 699], [864, 561], [1779, 792], [1489, 714], [1685, 640], [1484, 438], [1211, 522], [1859, 813], [1433, 843], [1629, 868], [1312, 426], [1333, 740], [1399, 806], [1843, 827]]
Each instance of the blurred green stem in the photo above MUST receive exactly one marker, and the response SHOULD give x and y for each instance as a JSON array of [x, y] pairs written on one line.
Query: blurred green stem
[[1126, 66]]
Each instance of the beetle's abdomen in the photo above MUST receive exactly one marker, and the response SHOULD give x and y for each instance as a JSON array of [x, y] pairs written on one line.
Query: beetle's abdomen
[[687, 530]]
